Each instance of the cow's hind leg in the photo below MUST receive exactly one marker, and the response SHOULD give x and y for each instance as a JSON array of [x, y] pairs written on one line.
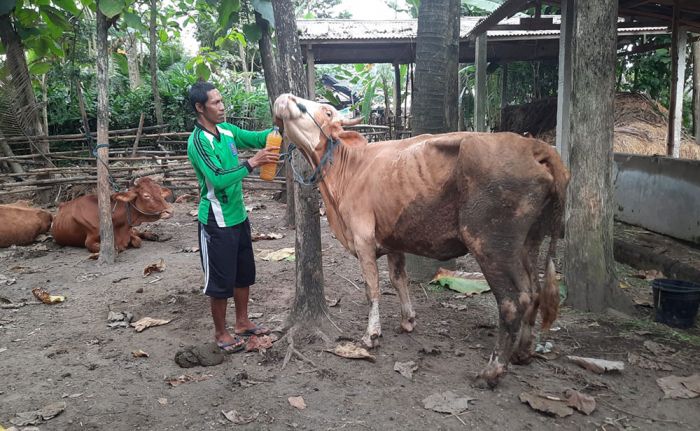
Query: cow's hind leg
[[504, 270], [397, 274], [368, 262]]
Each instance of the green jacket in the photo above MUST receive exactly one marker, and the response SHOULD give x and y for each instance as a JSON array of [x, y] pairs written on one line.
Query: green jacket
[[215, 161]]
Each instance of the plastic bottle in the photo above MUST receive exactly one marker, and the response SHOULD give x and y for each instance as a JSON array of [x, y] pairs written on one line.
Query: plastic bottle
[[272, 143]]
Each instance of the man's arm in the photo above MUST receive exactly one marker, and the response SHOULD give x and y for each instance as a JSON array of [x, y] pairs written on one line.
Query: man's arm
[[203, 158], [248, 139]]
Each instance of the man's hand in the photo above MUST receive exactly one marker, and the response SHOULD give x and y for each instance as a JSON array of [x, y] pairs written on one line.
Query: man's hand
[[262, 157]]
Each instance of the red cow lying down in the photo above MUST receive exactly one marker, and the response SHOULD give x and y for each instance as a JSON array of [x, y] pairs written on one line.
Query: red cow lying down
[[20, 224], [494, 195], [77, 222]]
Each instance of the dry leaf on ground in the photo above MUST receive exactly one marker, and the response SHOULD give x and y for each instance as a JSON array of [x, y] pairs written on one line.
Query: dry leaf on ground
[[139, 354], [37, 416], [193, 213], [286, 253], [266, 236], [598, 366], [158, 266], [352, 351], [546, 405], [406, 369], [238, 418], [297, 402], [186, 378], [644, 362], [658, 349], [258, 343], [332, 302], [46, 298], [147, 322], [581, 402], [680, 387], [447, 402]]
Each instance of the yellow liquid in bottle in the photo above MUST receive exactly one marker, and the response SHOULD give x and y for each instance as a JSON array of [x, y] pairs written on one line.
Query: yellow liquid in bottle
[[273, 143]]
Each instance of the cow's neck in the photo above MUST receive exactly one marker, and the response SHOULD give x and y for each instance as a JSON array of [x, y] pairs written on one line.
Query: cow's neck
[[336, 177]]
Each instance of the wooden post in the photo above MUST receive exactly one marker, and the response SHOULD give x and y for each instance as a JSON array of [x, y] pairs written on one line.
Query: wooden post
[[104, 190], [480, 97], [5, 149], [504, 85], [696, 90], [679, 38], [138, 136], [397, 100], [310, 73], [564, 86], [589, 267]]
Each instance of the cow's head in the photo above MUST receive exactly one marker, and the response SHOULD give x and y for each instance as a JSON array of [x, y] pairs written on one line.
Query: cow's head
[[308, 125], [148, 199]]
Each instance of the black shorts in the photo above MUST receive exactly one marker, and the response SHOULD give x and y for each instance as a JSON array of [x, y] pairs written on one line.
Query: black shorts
[[227, 258]]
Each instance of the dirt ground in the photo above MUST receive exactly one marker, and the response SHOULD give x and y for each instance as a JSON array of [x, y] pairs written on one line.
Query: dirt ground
[[66, 352]]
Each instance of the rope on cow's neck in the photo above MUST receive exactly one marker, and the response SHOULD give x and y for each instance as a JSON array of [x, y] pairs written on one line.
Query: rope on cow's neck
[[327, 158]]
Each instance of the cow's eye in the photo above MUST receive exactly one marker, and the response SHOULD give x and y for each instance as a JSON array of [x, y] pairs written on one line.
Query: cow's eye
[[329, 113]]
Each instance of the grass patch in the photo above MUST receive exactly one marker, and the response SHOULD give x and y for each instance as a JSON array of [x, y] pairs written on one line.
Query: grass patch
[[661, 331]]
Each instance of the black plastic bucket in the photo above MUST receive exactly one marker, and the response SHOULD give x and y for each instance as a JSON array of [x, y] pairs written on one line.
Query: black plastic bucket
[[676, 302]]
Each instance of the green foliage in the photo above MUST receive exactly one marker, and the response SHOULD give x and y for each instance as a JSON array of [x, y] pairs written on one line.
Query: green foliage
[[313, 9]]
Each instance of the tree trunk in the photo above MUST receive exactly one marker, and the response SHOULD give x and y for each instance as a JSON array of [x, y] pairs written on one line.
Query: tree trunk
[[267, 54], [153, 55], [589, 265], [309, 300], [44, 104], [104, 190], [435, 92], [26, 106], [6, 151], [132, 61], [696, 90], [247, 79], [294, 79]]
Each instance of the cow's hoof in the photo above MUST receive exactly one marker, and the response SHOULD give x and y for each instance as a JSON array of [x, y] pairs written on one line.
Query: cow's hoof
[[371, 341], [521, 358], [488, 378], [408, 325]]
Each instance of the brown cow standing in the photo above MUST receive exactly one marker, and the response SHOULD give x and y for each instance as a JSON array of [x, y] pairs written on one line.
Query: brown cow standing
[[77, 222], [441, 196], [20, 224]]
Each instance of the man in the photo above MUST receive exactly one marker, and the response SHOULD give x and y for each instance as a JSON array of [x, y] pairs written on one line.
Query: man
[[225, 245]]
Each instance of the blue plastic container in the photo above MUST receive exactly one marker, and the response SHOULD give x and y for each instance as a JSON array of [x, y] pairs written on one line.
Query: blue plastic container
[[676, 302]]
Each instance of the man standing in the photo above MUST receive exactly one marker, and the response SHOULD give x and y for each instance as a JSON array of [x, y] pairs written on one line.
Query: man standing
[[225, 244]]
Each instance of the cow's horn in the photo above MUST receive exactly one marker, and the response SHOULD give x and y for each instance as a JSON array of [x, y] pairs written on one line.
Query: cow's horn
[[136, 181], [351, 121]]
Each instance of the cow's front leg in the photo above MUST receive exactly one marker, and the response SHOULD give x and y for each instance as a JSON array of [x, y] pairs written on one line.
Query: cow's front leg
[[134, 238], [92, 243], [368, 263], [397, 275]]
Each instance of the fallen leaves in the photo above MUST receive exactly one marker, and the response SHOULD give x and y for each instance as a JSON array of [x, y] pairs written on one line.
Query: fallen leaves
[[297, 402], [680, 387], [258, 343], [148, 322], [581, 402], [545, 404], [186, 378], [37, 416], [45, 297], [642, 361], [406, 369], [266, 236], [332, 302], [239, 419], [598, 366], [119, 319], [658, 349], [447, 402], [468, 283], [139, 354], [158, 266], [352, 351], [286, 254]]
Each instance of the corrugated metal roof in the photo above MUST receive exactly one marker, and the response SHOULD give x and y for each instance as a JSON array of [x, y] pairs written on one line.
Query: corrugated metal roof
[[345, 30]]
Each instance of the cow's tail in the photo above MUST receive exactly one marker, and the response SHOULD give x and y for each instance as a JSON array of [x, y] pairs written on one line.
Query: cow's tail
[[549, 296]]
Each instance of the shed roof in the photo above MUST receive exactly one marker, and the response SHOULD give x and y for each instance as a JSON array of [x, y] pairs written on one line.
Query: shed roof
[[393, 41]]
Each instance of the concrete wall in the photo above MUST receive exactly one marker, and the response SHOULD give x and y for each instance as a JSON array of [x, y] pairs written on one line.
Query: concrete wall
[[660, 194]]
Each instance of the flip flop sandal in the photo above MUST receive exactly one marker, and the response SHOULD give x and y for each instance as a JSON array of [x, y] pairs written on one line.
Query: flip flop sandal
[[236, 346], [257, 330]]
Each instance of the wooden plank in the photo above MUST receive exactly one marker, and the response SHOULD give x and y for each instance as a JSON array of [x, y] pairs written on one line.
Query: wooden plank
[[564, 85]]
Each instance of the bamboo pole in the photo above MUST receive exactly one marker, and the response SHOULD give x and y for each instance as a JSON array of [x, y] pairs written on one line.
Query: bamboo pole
[[138, 135]]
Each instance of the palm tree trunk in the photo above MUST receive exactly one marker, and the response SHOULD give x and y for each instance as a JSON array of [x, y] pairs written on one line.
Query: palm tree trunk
[[154, 63]]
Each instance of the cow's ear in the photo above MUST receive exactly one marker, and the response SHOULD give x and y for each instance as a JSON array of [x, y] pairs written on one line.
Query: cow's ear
[[167, 194], [351, 138], [127, 196]]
